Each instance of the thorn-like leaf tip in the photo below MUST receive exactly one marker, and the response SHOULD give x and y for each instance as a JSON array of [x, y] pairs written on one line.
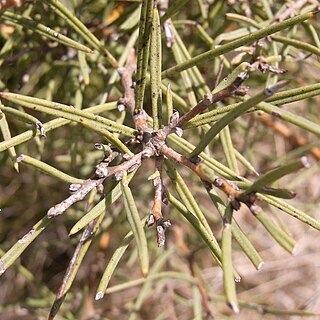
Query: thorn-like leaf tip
[[260, 266], [16, 167], [233, 305], [305, 162], [99, 295], [295, 249]]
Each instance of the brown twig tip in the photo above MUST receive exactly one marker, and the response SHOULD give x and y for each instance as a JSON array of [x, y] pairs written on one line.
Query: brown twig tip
[[227, 188], [211, 98], [55, 307], [294, 138]]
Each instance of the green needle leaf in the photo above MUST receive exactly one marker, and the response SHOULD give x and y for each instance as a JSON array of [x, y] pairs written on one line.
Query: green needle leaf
[[43, 30], [47, 169], [81, 29], [276, 174], [233, 114], [5, 130], [17, 249], [51, 125], [228, 279], [237, 232], [252, 37], [135, 224], [113, 262], [155, 70], [210, 242]]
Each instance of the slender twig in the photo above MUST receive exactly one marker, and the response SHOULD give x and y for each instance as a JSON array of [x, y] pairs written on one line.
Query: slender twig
[[195, 272], [294, 138], [234, 194], [232, 115], [156, 216], [248, 39], [101, 173], [211, 98], [73, 266], [15, 19], [220, 183], [158, 190], [293, 8], [126, 80]]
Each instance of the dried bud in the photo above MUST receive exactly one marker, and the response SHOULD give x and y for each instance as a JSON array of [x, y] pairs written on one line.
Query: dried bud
[[174, 119], [151, 220], [179, 132], [118, 175], [74, 187], [101, 171]]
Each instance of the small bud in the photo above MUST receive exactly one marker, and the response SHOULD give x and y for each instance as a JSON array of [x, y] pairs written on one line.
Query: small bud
[[101, 171], [74, 187], [150, 220], [100, 188], [179, 132], [121, 107], [126, 156], [118, 175], [161, 237], [133, 167], [304, 160], [174, 118]]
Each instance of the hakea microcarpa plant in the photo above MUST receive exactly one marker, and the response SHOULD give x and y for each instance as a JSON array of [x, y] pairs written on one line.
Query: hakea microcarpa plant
[[158, 135]]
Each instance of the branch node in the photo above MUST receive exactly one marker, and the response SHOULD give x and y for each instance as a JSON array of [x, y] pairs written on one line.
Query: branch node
[[195, 160], [74, 187], [102, 170]]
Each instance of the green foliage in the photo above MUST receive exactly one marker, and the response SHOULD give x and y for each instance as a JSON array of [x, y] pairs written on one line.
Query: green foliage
[[166, 121]]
